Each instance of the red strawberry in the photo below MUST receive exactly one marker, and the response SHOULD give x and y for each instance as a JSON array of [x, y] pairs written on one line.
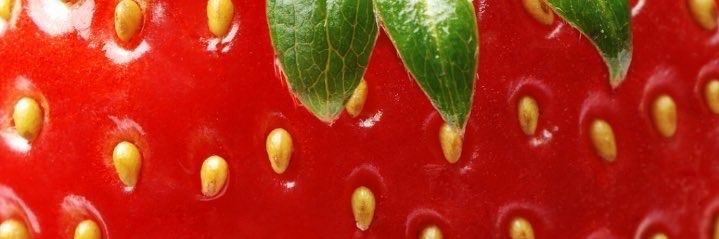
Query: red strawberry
[[156, 79]]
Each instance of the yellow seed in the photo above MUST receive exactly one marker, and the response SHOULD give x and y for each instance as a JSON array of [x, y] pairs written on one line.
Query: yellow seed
[[431, 232], [127, 161], [28, 118], [279, 149], [87, 229], [450, 138], [213, 175], [711, 95], [13, 229], [6, 7], [363, 205], [356, 102], [664, 113], [660, 236], [128, 19], [219, 16], [539, 10], [704, 12], [716, 228], [528, 114], [602, 137], [520, 228]]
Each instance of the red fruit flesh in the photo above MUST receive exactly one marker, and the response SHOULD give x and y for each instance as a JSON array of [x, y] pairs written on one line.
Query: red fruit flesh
[[191, 103]]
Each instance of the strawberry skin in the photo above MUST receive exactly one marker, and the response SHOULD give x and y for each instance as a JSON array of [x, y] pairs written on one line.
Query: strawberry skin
[[181, 102]]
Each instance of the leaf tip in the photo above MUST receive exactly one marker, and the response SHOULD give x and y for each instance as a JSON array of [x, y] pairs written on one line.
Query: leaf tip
[[326, 114], [619, 67]]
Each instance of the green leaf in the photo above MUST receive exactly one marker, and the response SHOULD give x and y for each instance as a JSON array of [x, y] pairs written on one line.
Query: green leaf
[[437, 41], [323, 48], [607, 24]]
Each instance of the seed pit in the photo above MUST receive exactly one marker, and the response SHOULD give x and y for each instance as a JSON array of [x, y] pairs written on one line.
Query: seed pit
[[528, 115], [520, 228], [450, 138], [6, 7], [13, 229], [664, 114], [363, 207], [539, 10], [357, 100], [279, 148], [87, 229], [602, 136], [219, 16], [213, 175], [431, 232], [659, 235], [711, 95], [704, 13], [128, 19], [28, 118], [127, 160]]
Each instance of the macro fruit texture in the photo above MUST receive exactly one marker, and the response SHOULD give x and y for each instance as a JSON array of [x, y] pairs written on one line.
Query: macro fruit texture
[[165, 82]]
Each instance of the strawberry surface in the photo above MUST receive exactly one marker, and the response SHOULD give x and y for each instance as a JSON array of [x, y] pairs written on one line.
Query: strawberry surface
[[182, 97]]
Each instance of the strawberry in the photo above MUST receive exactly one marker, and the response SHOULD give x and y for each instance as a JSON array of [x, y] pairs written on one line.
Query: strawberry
[[183, 119]]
